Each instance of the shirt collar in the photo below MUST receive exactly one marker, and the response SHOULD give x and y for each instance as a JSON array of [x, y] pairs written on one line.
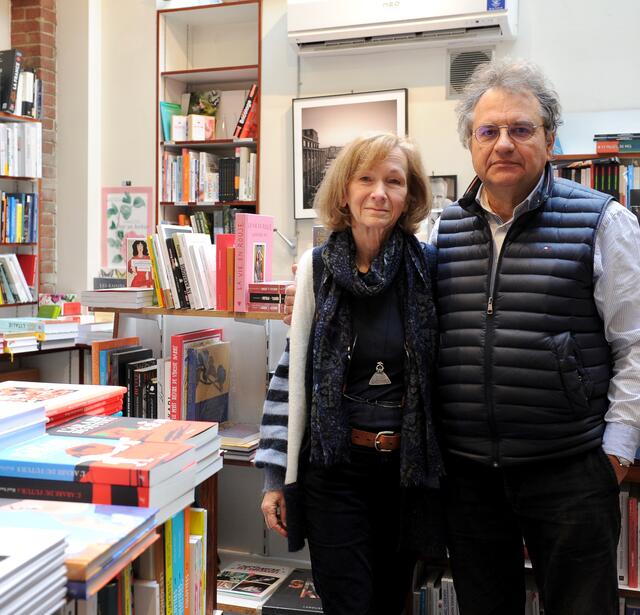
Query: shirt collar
[[529, 203]]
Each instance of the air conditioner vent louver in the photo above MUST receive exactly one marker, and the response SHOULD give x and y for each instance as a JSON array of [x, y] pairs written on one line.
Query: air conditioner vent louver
[[461, 67]]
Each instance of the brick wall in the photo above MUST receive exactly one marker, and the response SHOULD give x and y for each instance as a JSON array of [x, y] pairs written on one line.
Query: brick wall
[[33, 31]]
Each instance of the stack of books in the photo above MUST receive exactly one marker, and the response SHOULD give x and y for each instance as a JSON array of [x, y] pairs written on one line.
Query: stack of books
[[101, 540], [50, 332], [118, 297], [84, 468], [239, 441], [617, 143], [33, 577], [13, 343], [20, 422], [63, 402], [267, 296], [90, 331]]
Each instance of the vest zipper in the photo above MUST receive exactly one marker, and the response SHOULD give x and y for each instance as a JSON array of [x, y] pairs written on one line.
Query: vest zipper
[[490, 306]]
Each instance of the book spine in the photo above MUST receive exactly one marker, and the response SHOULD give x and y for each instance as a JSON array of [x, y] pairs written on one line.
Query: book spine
[[633, 541], [187, 562], [245, 110], [168, 566], [241, 281]]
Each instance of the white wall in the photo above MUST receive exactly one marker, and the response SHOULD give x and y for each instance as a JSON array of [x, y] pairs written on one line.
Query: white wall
[[586, 47]]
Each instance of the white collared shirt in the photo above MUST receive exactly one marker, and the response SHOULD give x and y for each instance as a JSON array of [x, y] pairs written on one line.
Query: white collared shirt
[[616, 280]]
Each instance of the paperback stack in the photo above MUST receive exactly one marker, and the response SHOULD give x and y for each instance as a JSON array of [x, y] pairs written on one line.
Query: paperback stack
[[84, 469], [90, 331], [239, 441], [51, 333], [267, 296], [118, 297], [101, 540], [20, 422], [33, 577], [617, 143], [63, 402], [247, 584], [13, 343]]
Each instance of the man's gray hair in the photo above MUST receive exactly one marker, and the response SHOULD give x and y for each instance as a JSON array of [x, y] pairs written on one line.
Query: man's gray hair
[[517, 76]]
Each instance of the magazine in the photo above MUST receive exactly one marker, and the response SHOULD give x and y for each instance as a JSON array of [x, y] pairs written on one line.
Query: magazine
[[250, 580]]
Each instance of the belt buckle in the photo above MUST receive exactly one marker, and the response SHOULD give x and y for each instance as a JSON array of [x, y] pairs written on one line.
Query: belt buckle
[[376, 443]]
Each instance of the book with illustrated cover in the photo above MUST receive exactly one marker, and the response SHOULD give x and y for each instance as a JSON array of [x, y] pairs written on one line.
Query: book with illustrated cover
[[10, 64], [96, 460], [167, 111], [195, 433], [208, 376], [204, 103], [250, 581], [253, 251], [96, 534], [295, 596]]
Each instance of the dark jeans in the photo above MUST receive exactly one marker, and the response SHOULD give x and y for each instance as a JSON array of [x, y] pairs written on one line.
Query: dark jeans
[[352, 514], [566, 510]]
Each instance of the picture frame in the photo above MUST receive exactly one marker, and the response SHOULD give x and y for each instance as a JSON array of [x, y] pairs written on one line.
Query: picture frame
[[126, 212], [444, 191], [322, 125]]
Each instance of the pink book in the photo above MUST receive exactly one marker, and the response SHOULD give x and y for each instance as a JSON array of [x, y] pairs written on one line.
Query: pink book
[[254, 245]]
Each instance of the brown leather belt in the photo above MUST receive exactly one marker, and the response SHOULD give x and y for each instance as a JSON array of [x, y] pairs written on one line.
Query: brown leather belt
[[383, 441]]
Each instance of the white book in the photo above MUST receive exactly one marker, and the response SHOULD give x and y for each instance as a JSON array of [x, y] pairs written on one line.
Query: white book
[[201, 274], [186, 268], [208, 255], [12, 277], [195, 575], [186, 241], [26, 291]]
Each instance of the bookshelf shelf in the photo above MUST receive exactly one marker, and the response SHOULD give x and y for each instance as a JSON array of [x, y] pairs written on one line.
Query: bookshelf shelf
[[156, 311], [28, 244], [218, 144], [578, 157], [216, 204], [19, 178], [16, 118], [4, 305], [219, 75]]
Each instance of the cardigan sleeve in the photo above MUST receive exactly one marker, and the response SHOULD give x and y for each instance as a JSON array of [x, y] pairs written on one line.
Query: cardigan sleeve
[[272, 451]]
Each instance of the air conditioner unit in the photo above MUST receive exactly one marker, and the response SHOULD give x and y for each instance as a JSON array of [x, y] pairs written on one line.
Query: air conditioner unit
[[356, 26]]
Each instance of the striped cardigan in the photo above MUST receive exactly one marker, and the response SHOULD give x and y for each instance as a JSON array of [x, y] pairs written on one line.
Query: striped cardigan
[[272, 452]]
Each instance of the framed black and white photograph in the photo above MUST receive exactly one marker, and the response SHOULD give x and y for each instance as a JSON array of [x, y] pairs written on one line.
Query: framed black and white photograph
[[444, 189], [324, 124]]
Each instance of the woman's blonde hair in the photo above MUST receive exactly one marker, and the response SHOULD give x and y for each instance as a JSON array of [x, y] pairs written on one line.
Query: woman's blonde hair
[[364, 152]]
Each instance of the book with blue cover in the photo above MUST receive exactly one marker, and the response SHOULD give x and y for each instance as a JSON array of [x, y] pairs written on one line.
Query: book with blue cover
[[208, 376], [96, 534]]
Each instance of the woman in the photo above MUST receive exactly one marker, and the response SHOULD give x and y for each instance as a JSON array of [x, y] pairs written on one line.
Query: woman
[[361, 455]]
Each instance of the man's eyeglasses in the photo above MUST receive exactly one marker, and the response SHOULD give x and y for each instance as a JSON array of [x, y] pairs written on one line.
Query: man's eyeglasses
[[521, 132]]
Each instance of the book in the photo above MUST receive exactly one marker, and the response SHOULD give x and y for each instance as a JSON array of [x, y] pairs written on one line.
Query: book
[[198, 527], [249, 102], [10, 64], [167, 111], [179, 345], [295, 596], [249, 580], [195, 433], [249, 129], [204, 102], [138, 263], [238, 433], [97, 534], [222, 242], [85, 459], [253, 251], [208, 377], [99, 356]]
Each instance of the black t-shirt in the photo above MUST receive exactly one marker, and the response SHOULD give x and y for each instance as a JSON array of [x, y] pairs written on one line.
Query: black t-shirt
[[378, 335]]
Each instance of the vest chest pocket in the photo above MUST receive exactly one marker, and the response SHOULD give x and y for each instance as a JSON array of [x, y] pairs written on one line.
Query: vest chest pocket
[[575, 379]]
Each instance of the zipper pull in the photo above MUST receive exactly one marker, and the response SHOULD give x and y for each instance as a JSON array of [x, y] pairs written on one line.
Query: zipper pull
[[490, 306]]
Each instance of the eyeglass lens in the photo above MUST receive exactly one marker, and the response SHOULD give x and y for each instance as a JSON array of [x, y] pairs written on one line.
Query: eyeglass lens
[[517, 132]]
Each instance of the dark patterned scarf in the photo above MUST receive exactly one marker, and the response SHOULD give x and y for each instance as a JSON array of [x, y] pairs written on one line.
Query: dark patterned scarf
[[403, 262]]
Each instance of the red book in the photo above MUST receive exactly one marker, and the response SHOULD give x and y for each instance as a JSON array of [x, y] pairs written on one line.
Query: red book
[[254, 245], [223, 241], [607, 147], [633, 541], [250, 128], [29, 266], [179, 344], [246, 109]]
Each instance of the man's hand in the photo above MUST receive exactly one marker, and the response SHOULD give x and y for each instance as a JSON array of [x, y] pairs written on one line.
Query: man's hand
[[275, 511], [621, 471], [289, 298]]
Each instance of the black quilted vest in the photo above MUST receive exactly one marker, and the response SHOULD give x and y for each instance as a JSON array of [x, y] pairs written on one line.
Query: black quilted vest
[[524, 367]]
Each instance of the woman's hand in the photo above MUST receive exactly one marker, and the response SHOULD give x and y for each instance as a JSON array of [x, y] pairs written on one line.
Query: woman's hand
[[275, 511]]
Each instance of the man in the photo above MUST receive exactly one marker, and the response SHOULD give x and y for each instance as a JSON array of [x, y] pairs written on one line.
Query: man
[[540, 326]]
